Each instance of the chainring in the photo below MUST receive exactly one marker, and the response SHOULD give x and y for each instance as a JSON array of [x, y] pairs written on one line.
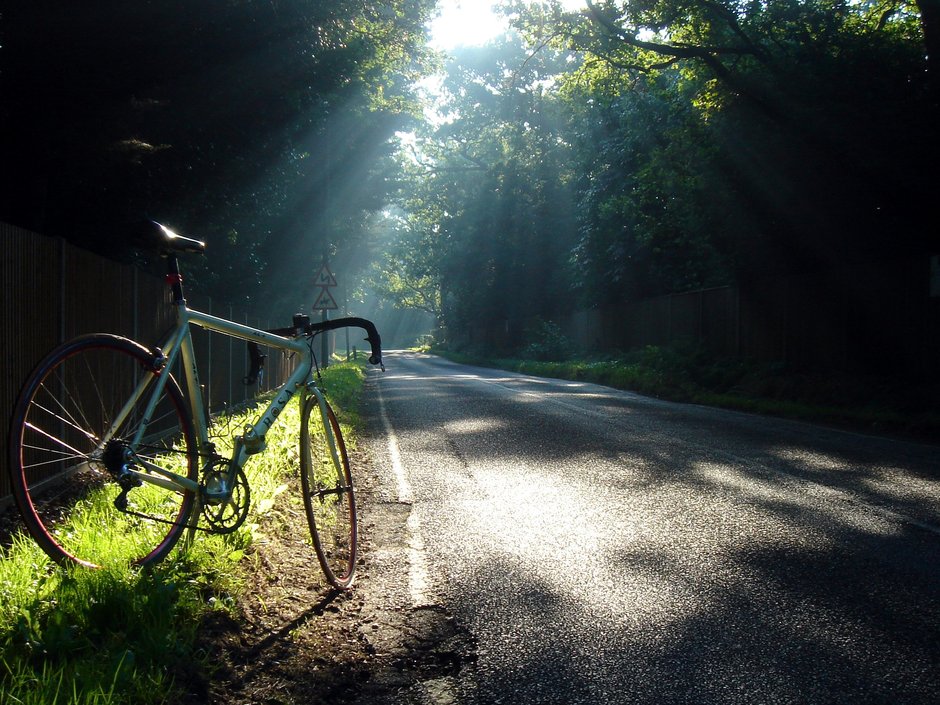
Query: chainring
[[225, 499]]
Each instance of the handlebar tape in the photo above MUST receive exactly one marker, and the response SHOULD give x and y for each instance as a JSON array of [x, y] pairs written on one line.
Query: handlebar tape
[[368, 326]]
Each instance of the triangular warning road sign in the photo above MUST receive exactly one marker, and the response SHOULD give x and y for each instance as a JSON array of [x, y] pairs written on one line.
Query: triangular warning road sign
[[324, 277], [325, 301]]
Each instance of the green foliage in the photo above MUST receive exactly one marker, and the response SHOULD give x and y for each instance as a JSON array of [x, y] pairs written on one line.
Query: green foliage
[[426, 342], [261, 127], [405, 273], [544, 340], [628, 150], [756, 151], [648, 222], [92, 636], [343, 385], [689, 374]]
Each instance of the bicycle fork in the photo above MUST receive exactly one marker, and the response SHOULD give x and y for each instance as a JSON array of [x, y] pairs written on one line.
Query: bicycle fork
[[328, 431]]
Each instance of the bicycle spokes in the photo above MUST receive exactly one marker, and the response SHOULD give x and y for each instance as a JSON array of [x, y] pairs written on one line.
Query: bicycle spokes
[[78, 494]]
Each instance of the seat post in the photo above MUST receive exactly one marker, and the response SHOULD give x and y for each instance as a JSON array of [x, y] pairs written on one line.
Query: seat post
[[175, 279]]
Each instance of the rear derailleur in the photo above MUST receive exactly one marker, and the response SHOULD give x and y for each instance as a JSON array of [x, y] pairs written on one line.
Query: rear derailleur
[[118, 460]]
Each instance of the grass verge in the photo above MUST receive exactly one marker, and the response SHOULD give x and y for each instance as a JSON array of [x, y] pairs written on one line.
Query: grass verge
[[880, 405], [76, 637]]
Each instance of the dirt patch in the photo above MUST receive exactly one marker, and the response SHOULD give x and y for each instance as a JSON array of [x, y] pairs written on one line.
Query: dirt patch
[[291, 639]]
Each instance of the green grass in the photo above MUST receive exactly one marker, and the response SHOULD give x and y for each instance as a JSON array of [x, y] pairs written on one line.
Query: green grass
[[126, 635]]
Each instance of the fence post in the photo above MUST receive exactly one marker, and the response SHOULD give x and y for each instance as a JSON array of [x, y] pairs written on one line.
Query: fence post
[[135, 314], [786, 321], [62, 256], [700, 329], [231, 397], [208, 379], [244, 393], [669, 329]]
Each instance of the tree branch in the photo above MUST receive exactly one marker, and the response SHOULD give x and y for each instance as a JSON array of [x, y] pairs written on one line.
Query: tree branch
[[679, 51]]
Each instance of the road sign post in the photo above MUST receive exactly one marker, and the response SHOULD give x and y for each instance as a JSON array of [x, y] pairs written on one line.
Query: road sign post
[[325, 303]]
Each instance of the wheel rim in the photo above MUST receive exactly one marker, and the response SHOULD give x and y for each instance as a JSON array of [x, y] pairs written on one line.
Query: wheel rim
[[66, 484], [330, 501]]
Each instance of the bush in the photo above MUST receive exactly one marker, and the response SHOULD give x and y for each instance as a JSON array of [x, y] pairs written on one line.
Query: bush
[[426, 341], [545, 341]]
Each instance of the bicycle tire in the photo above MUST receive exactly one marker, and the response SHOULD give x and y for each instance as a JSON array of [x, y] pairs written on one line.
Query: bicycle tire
[[329, 497], [61, 483]]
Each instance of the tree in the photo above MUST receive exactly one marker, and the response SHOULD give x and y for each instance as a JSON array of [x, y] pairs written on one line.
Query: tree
[[792, 105], [404, 271], [647, 200], [489, 188], [253, 124]]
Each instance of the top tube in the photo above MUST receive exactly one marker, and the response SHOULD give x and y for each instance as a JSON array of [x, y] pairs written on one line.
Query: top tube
[[243, 332], [168, 243]]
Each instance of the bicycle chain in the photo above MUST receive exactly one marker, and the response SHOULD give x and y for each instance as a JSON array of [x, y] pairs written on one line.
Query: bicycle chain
[[120, 502]]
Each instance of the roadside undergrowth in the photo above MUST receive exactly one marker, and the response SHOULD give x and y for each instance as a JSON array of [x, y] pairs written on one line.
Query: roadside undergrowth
[[879, 405]]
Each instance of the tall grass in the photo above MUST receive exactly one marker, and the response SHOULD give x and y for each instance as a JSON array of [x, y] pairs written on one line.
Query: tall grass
[[126, 635]]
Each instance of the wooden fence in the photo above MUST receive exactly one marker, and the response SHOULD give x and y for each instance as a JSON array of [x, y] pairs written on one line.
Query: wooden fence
[[53, 292], [881, 319]]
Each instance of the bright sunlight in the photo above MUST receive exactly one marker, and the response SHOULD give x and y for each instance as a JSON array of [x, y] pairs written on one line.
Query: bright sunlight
[[471, 22]]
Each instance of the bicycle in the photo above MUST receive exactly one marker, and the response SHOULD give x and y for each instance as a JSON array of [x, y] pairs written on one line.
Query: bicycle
[[110, 461]]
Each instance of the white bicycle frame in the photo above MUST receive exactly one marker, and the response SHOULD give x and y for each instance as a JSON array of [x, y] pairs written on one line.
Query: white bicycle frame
[[179, 346]]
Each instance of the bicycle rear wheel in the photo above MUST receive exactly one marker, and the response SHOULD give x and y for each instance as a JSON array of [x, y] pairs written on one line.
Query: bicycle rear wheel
[[69, 443], [329, 497]]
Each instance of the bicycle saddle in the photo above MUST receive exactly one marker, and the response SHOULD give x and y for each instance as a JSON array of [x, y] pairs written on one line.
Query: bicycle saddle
[[154, 236]]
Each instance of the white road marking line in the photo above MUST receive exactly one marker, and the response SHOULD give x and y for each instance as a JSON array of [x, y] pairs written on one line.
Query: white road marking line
[[417, 565]]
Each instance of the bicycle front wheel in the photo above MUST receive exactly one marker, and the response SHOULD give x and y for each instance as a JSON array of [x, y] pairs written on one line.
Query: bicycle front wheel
[[329, 498], [78, 426]]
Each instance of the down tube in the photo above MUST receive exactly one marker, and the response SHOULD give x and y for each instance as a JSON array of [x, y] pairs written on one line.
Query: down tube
[[297, 381]]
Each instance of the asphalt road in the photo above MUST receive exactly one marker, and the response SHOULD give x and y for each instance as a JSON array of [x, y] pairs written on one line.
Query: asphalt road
[[603, 547]]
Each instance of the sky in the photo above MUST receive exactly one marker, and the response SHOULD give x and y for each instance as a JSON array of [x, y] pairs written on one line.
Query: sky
[[469, 22], [466, 22]]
